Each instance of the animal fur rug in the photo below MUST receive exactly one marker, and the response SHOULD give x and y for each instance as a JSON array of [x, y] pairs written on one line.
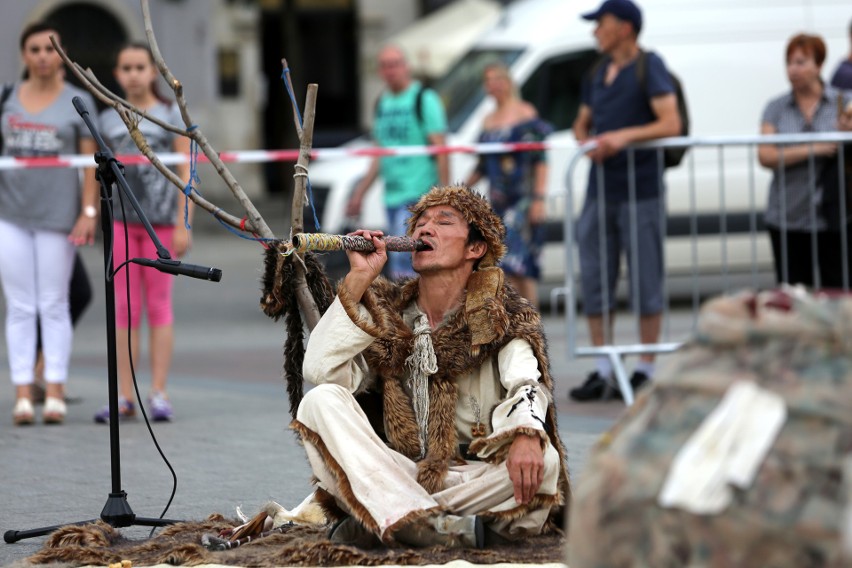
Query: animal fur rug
[[299, 545]]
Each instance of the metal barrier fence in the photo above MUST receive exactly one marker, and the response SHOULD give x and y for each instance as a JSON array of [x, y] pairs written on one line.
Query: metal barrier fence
[[712, 229]]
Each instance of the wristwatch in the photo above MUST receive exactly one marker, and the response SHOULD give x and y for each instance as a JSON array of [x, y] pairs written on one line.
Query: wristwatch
[[90, 211]]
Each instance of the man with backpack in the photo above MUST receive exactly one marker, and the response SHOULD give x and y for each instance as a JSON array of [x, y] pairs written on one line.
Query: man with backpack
[[406, 114], [628, 97]]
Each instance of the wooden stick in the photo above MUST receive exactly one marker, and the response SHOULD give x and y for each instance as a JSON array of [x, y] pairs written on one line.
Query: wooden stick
[[307, 305], [254, 219], [303, 242]]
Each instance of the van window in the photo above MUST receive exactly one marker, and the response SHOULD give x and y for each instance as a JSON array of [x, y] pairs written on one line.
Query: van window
[[554, 88], [461, 88]]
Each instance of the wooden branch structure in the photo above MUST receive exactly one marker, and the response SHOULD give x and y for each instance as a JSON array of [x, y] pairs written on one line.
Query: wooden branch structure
[[252, 222], [310, 313]]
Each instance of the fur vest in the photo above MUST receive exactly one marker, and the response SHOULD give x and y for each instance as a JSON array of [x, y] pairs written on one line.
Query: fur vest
[[510, 317]]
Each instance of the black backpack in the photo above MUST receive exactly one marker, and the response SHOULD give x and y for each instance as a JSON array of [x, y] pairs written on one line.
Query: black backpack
[[671, 156]]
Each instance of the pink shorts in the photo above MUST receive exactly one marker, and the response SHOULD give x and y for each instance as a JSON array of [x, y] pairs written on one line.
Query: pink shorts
[[156, 285]]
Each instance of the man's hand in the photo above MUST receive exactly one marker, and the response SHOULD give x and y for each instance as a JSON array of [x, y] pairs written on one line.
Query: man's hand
[[526, 466], [365, 267], [827, 149], [353, 207], [609, 144], [537, 213]]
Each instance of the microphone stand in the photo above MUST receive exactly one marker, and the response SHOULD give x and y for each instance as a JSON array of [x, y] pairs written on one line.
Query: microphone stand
[[117, 511]]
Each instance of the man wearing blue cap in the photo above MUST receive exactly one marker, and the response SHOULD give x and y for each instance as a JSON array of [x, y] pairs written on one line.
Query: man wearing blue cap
[[627, 98]]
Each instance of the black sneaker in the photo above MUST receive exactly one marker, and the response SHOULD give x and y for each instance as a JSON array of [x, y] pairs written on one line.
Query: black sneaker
[[350, 532], [450, 531], [593, 389], [638, 380]]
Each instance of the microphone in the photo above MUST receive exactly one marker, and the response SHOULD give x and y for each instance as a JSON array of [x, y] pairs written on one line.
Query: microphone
[[80, 106], [177, 268]]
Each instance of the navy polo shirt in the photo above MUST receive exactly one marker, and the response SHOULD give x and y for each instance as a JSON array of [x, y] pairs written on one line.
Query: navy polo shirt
[[624, 103]]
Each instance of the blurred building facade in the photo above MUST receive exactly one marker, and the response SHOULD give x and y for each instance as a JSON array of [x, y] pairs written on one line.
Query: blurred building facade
[[227, 54]]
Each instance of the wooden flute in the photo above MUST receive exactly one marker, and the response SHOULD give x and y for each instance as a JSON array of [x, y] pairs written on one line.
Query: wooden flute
[[303, 242]]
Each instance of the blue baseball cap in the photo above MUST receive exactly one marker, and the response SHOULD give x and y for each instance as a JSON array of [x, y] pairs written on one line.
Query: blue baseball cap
[[622, 9]]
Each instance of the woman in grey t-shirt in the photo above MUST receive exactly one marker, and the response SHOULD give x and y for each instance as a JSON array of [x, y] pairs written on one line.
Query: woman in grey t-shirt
[[794, 211], [44, 215], [163, 205]]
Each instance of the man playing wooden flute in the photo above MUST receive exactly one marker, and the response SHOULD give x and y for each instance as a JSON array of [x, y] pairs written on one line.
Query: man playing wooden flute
[[465, 449]]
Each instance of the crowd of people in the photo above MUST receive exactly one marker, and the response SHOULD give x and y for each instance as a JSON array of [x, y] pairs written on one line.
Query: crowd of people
[[626, 98], [629, 97], [45, 214]]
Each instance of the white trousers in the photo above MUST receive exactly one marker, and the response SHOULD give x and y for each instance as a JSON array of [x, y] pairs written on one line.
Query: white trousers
[[385, 481], [35, 270]]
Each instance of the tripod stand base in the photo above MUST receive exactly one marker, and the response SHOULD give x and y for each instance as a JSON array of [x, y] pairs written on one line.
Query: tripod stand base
[[116, 513]]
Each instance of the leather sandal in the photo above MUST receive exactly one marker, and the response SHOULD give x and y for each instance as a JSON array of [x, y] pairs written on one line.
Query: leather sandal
[[23, 413], [54, 410]]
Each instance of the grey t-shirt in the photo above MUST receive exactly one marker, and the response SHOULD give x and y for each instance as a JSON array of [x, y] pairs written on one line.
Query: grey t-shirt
[[42, 198], [157, 196]]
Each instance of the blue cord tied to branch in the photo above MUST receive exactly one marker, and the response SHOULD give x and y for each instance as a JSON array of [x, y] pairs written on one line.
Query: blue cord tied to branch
[[193, 176], [255, 238], [284, 74]]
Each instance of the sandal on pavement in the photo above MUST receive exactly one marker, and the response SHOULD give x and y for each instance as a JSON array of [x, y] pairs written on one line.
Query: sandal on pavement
[[54, 410], [23, 413]]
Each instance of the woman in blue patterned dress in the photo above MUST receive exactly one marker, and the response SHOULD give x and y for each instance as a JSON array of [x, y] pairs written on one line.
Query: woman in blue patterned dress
[[517, 180]]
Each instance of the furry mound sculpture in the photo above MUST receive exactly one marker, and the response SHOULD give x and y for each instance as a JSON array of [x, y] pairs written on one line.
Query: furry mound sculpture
[[741, 454], [434, 407]]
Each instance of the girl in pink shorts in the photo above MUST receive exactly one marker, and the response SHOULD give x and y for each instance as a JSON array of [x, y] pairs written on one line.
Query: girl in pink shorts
[[166, 209]]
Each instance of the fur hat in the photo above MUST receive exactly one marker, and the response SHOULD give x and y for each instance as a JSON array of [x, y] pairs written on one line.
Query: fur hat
[[475, 209]]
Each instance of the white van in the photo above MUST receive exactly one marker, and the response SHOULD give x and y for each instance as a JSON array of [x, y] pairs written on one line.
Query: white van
[[729, 55]]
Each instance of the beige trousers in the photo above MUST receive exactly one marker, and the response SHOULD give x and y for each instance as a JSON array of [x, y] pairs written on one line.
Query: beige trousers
[[384, 482]]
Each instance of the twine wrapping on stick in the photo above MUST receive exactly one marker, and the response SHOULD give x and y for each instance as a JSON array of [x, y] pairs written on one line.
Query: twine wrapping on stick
[[323, 242]]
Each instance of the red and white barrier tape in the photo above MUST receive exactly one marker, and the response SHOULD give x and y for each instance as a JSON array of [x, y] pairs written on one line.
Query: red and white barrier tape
[[260, 156]]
